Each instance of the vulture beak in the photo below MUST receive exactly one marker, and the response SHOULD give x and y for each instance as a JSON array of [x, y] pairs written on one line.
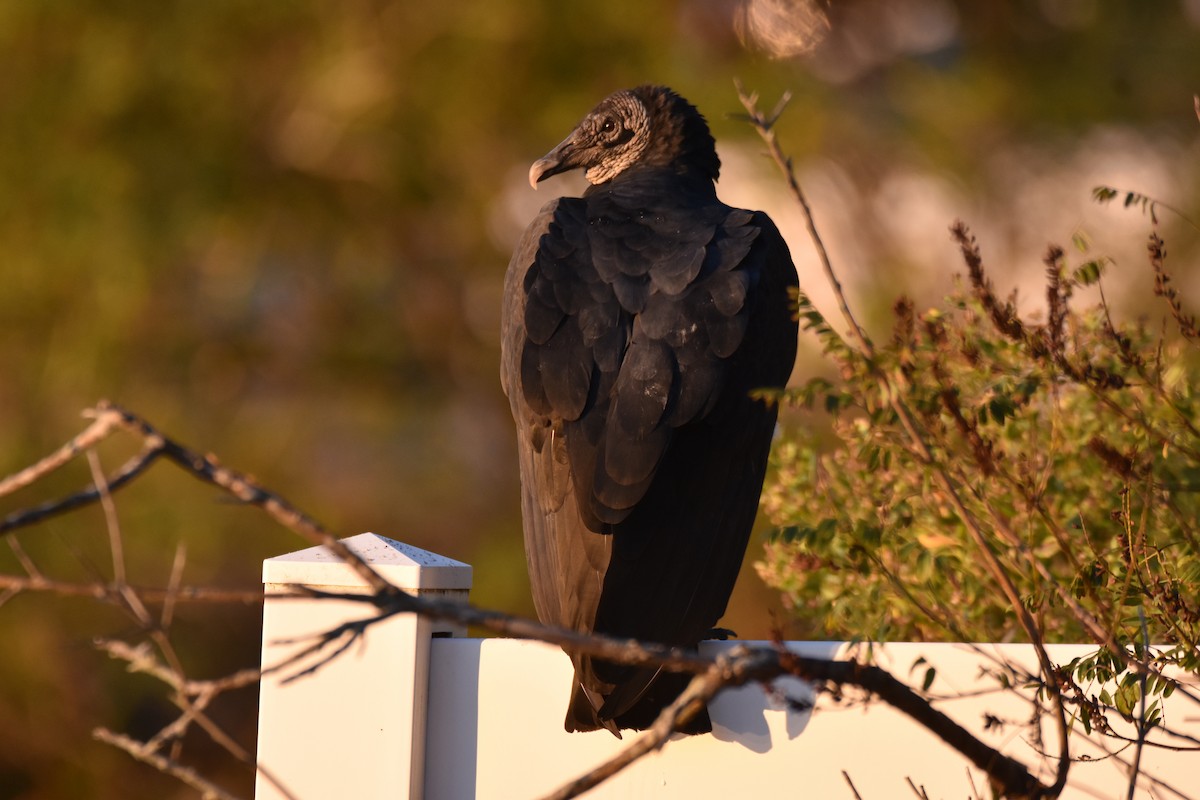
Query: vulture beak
[[563, 158]]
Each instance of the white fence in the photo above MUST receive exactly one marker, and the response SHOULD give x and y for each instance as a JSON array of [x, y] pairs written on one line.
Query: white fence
[[410, 713]]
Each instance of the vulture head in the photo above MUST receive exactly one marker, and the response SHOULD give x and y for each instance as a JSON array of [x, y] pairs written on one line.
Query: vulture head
[[649, 126]]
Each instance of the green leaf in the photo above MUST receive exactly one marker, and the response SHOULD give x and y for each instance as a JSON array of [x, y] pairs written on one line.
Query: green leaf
[[1126, 700], [1088, 273]]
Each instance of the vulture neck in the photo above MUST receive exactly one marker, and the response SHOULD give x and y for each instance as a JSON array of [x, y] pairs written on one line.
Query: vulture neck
[[656, 182]]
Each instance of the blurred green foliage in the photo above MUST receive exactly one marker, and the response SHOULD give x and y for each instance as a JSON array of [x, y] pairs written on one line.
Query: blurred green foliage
[[278, 229]]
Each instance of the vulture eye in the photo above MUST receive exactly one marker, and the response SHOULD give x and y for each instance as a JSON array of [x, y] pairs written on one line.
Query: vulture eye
[[612, 133]]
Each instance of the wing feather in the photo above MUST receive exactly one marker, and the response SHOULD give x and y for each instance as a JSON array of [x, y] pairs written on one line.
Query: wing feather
[[631, 341]]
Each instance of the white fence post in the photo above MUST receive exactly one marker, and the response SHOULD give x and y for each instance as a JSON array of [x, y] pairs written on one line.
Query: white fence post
[[355, 727]]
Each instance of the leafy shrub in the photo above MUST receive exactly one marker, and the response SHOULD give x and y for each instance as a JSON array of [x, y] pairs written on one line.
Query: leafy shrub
[[1072, 441]]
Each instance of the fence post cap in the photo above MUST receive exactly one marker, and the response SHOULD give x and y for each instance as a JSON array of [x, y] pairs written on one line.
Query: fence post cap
[[410, 568]]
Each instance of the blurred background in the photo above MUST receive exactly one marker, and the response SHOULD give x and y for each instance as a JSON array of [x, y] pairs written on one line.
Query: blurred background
[[278, 231]]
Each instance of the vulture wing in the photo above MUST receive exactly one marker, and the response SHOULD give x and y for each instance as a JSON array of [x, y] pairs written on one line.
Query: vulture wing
[[636, 322]]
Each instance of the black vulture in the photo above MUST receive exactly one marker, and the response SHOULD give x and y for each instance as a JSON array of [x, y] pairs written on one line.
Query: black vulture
[[637, 320]]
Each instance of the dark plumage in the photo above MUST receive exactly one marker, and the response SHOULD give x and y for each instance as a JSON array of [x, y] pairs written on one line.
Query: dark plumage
[[637, 319]]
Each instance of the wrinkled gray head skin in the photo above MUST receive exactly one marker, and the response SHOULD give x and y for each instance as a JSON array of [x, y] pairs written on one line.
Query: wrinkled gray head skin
[[648, 125]]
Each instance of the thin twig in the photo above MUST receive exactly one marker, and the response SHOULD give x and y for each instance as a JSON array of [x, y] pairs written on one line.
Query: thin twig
[[107, 593], [115, 543], [102, 425], [207, 789], [141, 659], [765, 125], [192, 696], [131, 469], [1140, 723], [250, 491], [919, 792], [203, 467], [168, 609], [23, 558], [192, 707], [975, 795]]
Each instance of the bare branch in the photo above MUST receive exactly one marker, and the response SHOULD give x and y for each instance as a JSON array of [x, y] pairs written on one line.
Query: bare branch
[[100, 591], [115, 543], [168, 609], [103, 425], [192, 696], [26, 562], [141, 658], [132, 468], [207, 789], [744, 665], [764, 124], [203, 467], [919, 792], [1140, 722]]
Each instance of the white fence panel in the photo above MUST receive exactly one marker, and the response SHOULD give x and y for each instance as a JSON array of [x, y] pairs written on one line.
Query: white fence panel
[[408, 714], [495, 731]]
